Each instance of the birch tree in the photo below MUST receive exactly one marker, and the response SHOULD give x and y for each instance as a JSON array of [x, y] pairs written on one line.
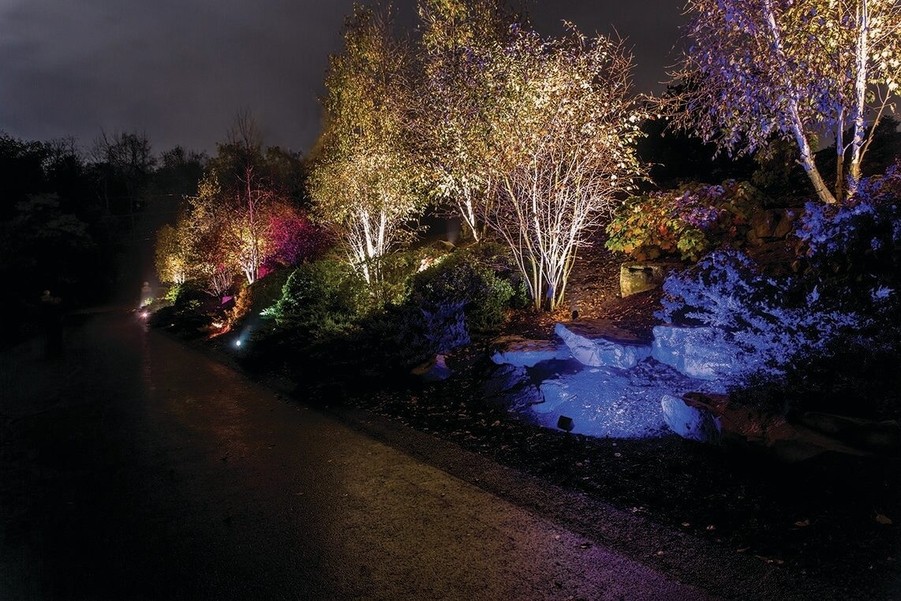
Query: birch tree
[[172, 253], [458, 38], [363, 177], [203, 231], [563, 127], [245, 196], [794, 69]]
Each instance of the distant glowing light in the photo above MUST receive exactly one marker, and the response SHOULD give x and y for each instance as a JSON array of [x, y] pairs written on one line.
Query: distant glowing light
[[238, 343], [145, 314]]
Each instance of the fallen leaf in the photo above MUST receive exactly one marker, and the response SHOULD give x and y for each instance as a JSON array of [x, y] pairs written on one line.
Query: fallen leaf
[[770, 560], [802, 523], [884, 520]]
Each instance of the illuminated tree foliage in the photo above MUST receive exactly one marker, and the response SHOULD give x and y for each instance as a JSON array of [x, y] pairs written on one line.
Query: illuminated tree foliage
[[173, 254], [458, 39], [204, 232], [243, 197], [363, 178], [759, 69], [563, 126], [292, 236]]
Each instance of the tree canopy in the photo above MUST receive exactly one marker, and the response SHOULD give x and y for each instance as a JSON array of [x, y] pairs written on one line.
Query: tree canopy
[[364, 177], [759, 69]]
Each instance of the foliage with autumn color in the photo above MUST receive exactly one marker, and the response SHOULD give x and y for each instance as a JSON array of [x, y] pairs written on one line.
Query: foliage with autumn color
[[245, 216], [685, 223], [363, 176]]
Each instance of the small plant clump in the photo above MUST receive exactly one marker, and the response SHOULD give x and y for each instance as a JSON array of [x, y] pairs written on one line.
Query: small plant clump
[[854, 251]]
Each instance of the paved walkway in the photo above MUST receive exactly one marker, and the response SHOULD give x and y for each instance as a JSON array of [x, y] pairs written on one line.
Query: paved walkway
[[134, 468]]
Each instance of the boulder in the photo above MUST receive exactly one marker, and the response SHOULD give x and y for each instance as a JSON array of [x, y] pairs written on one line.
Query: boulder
[[511, 387], [786, 224], [638, 277], [693, 423], [698, 352], [596, 344], [524, 352], [743, 425], [434, 370], [601, 402], [763, 225]]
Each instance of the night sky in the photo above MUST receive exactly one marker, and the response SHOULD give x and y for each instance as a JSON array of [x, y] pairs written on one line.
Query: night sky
[[180, 70]]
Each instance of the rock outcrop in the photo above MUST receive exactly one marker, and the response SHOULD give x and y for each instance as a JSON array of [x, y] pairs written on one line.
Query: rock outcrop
[[699, 352], [433, 370], [690, 422], [511, 387], [600, 344], [641, 276], [524, 352]]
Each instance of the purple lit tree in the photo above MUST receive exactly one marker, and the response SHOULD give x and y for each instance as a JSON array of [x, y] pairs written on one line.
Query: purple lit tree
[[758, 69]]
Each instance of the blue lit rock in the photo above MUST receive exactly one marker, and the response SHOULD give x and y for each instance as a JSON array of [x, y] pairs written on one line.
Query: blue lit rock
[[523, 352], [603, 402], [511, 387], [597, 344], [690, 422], [698, 352]]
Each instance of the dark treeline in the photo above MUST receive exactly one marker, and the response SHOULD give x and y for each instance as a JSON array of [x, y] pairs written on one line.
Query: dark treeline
[[71, 218]]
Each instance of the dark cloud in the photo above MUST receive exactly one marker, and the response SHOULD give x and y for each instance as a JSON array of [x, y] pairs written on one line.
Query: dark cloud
[[181, 69]]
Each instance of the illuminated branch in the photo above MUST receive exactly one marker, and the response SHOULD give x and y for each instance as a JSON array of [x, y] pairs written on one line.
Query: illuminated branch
[[563, 128], [755, 69]]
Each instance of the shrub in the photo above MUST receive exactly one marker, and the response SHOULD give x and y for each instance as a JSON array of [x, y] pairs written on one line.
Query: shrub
[[854, 251], [397, 268], [255, 299], [685, 223], [173, 293], [320, 299], [191, 313], [768, 321], [461, 283], [853, 375]]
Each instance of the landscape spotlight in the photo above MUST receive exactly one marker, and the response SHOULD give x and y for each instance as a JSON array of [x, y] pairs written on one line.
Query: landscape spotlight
[[565, 423]]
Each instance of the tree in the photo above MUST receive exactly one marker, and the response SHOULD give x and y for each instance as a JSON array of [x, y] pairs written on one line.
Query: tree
[[244, 188], [563, 127], [457, 40], [124, 163], [364, 177], [760, 69], [203, 232], [173, 253]]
